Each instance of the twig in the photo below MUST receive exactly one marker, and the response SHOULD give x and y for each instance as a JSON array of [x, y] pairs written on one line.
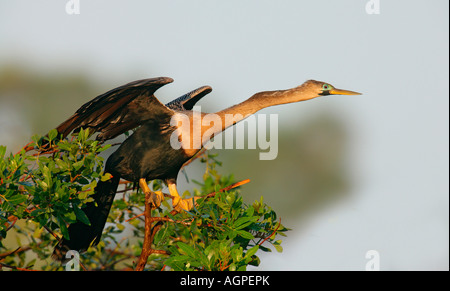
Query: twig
[[228, 188], [165, 219], [49, 151], [111, 253], [279, 224], [149, 235], [52, 233], [116, 144], [15, 268], [195, 157], [13, 222], [27, 147], [146, 247], [3, 255]]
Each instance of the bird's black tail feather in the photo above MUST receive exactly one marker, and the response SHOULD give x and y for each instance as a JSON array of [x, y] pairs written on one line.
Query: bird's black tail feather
[[83, 235]]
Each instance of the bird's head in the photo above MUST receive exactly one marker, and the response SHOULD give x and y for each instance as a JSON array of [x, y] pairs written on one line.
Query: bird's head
[[319, 88]]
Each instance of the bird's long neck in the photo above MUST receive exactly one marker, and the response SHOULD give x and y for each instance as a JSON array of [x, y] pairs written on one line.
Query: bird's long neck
[[203, 126], [261, 100]]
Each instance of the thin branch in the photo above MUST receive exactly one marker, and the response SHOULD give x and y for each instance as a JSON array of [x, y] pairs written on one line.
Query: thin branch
[[13, 222], [279, 224], [19, 249], [195, 157], [27, 147], [52, 233], [15, 268], [146, 247], [228, 188], [165, 219]]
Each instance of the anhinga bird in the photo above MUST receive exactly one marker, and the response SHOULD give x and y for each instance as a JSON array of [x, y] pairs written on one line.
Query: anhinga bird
[[148, 153]]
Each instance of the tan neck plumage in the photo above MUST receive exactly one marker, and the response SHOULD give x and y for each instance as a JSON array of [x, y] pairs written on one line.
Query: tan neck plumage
[[260, 101], [213, 124]]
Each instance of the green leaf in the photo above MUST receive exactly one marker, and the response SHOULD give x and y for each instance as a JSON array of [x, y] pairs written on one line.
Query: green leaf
[[251, 251], [37, 140], [17, 199], [63, 146], [30, 263], [103, 148], [63, 227], [81, 216], [245, 234], [249, 212], [106, 177], [2, 151], [83, 181], [78, 165], [243, 222], [120, 204], [177, 263], [52, 134], [278, 248], [61, 164], [187, 249], [264, 249]]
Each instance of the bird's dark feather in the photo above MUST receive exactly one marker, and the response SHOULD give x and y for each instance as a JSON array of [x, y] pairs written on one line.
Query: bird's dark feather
[[118, 110], [187, 101], [127, 107]]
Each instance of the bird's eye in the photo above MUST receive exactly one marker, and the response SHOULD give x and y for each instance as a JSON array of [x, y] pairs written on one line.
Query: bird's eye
[[325, 87]]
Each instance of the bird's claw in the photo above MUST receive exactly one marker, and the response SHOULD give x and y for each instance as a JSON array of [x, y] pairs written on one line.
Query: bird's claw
[[183, 204], [156, 198]]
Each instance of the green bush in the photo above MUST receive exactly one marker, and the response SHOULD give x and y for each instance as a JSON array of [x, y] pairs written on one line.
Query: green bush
[[42, 193]]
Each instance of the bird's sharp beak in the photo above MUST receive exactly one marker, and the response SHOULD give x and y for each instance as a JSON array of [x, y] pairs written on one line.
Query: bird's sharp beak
[[343, 92]]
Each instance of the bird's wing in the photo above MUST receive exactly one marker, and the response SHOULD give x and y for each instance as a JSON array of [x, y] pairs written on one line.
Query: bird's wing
[[187, 101], [119, 110]]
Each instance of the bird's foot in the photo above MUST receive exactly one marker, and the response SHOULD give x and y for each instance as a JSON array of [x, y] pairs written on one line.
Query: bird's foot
[[156, 198], [183, 204]]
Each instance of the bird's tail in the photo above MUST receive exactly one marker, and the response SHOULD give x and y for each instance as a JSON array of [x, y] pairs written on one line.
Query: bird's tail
[[82, 235]]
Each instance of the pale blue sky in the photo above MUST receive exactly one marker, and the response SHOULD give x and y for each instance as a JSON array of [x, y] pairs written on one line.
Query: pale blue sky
[[398, 59]]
